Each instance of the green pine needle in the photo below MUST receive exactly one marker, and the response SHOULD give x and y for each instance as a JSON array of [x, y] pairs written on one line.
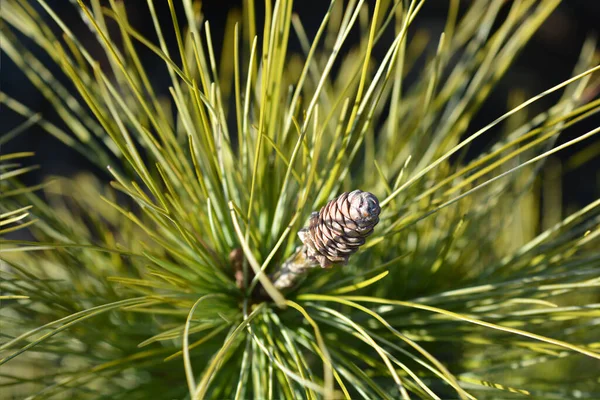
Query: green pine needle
[[154, 280]]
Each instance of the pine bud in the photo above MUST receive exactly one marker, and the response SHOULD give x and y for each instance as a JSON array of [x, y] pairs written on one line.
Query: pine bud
[[340, 227]]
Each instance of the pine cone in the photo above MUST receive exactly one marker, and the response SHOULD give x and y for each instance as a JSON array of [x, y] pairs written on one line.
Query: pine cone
[[340, 228]]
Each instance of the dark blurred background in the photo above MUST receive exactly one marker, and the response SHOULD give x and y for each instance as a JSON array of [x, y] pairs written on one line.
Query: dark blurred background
[[548, 59]]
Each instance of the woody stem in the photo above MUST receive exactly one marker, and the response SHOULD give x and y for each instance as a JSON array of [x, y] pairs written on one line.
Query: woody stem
[[293, 269]]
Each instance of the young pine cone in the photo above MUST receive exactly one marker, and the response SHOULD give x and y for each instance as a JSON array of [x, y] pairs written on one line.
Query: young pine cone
[[340, 227]]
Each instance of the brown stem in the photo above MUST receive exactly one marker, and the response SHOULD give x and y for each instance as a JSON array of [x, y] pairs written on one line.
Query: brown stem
[[293, 269]]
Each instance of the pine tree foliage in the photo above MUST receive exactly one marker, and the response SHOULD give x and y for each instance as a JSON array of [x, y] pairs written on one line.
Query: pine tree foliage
[[148, 286]]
